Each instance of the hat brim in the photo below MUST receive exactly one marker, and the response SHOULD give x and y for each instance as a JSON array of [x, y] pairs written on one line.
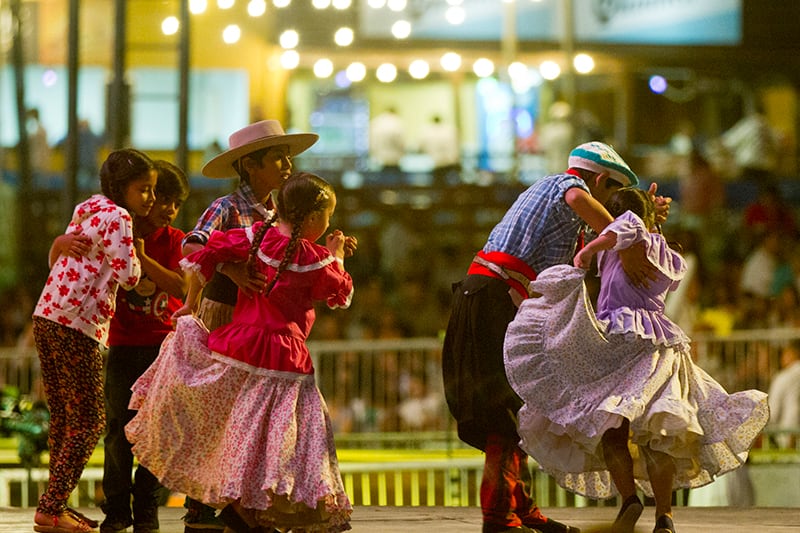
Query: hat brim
[[221, 166]]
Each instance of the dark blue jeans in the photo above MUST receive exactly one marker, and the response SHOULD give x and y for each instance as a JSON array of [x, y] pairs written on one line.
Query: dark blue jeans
[[124, 365]]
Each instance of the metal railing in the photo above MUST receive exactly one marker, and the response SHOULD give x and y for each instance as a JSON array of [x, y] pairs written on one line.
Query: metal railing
[[387, 395], [382, 382]]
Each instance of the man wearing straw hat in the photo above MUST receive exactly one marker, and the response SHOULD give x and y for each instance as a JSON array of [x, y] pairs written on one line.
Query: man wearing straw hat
[[260, 154]]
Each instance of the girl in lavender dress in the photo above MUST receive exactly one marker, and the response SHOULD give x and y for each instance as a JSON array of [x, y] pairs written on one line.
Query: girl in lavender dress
[[613, 400]]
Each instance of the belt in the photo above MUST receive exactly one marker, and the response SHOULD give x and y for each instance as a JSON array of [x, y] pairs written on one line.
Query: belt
[[506, 274]]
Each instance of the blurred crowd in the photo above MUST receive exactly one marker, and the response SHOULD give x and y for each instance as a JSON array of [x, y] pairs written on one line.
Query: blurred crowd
[[744, 273]]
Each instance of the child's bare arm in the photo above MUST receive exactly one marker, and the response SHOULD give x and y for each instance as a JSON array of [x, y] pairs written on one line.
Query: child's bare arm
[[171, 281], [634, 259], [606, 241], [588, 208], [193, 291]]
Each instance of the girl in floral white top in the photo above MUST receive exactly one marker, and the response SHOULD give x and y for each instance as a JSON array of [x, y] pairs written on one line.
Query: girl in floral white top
[[71, 320]]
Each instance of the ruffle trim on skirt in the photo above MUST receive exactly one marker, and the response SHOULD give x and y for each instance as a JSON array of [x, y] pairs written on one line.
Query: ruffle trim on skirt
[[221, 433]]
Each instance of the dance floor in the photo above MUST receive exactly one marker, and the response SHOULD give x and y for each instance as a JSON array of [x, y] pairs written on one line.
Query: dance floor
[[467, 519]]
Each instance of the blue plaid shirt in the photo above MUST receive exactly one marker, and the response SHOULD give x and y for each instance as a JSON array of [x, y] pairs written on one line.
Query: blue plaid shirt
[[239, 209], [540, 228]]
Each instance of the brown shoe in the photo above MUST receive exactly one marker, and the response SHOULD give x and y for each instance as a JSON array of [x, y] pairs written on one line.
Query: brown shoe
[[553, 526]]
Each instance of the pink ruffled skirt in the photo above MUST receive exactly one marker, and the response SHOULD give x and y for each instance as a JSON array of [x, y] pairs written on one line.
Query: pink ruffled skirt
[[219, 431]]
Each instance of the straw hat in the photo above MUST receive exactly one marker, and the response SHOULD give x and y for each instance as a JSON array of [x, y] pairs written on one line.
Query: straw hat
[[253, 138], [600, 157]]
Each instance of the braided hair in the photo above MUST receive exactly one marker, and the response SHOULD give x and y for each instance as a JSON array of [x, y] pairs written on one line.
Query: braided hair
[[258, 236], [300, 195]]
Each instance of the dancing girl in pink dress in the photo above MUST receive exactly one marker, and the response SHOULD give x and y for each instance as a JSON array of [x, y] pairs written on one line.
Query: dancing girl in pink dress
[[233, 418]]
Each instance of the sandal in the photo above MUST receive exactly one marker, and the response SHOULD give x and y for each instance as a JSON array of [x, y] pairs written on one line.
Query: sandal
[[69, 523], [628, 514], [664, 524], [82, 517]]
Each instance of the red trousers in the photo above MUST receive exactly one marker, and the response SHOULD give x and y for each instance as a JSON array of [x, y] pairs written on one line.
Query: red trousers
[[506, 491]]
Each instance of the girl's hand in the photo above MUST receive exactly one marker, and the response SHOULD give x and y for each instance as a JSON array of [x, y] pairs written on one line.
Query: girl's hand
[[335, 243], [662, 204], [182, 311], [77, 245], [241, 274], [350, 245], [583, 259]]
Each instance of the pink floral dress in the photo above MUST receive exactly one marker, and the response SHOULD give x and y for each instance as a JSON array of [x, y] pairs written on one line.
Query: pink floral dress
[[236, 414]]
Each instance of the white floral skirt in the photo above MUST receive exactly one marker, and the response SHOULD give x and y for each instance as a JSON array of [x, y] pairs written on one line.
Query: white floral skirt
[[219, 431], [576, 382]]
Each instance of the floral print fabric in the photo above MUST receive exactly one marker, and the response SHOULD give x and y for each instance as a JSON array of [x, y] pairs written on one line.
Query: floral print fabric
[[577, 380], [219, 430], [81, 292]]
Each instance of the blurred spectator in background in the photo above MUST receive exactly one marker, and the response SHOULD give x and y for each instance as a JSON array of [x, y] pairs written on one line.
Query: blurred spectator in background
[[38, 146], [422, 408], [16, 306], [89, 146], [702, 192], [784, 395], [753, 146], [784, 311], [556, 136], [769, 213], [760, 265], [682, 142], [440, 142], [587, 127], [402, 242], [387, 144]]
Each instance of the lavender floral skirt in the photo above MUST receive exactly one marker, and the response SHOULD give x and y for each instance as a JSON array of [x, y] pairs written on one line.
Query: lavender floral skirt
[[576, 382], [218, 431]]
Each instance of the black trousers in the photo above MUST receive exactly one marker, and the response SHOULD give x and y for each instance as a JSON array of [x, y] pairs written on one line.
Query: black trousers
[[476, 388], [124, 365]]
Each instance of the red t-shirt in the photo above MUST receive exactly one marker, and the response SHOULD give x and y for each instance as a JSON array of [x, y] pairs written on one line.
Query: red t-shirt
[[143, 313]]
